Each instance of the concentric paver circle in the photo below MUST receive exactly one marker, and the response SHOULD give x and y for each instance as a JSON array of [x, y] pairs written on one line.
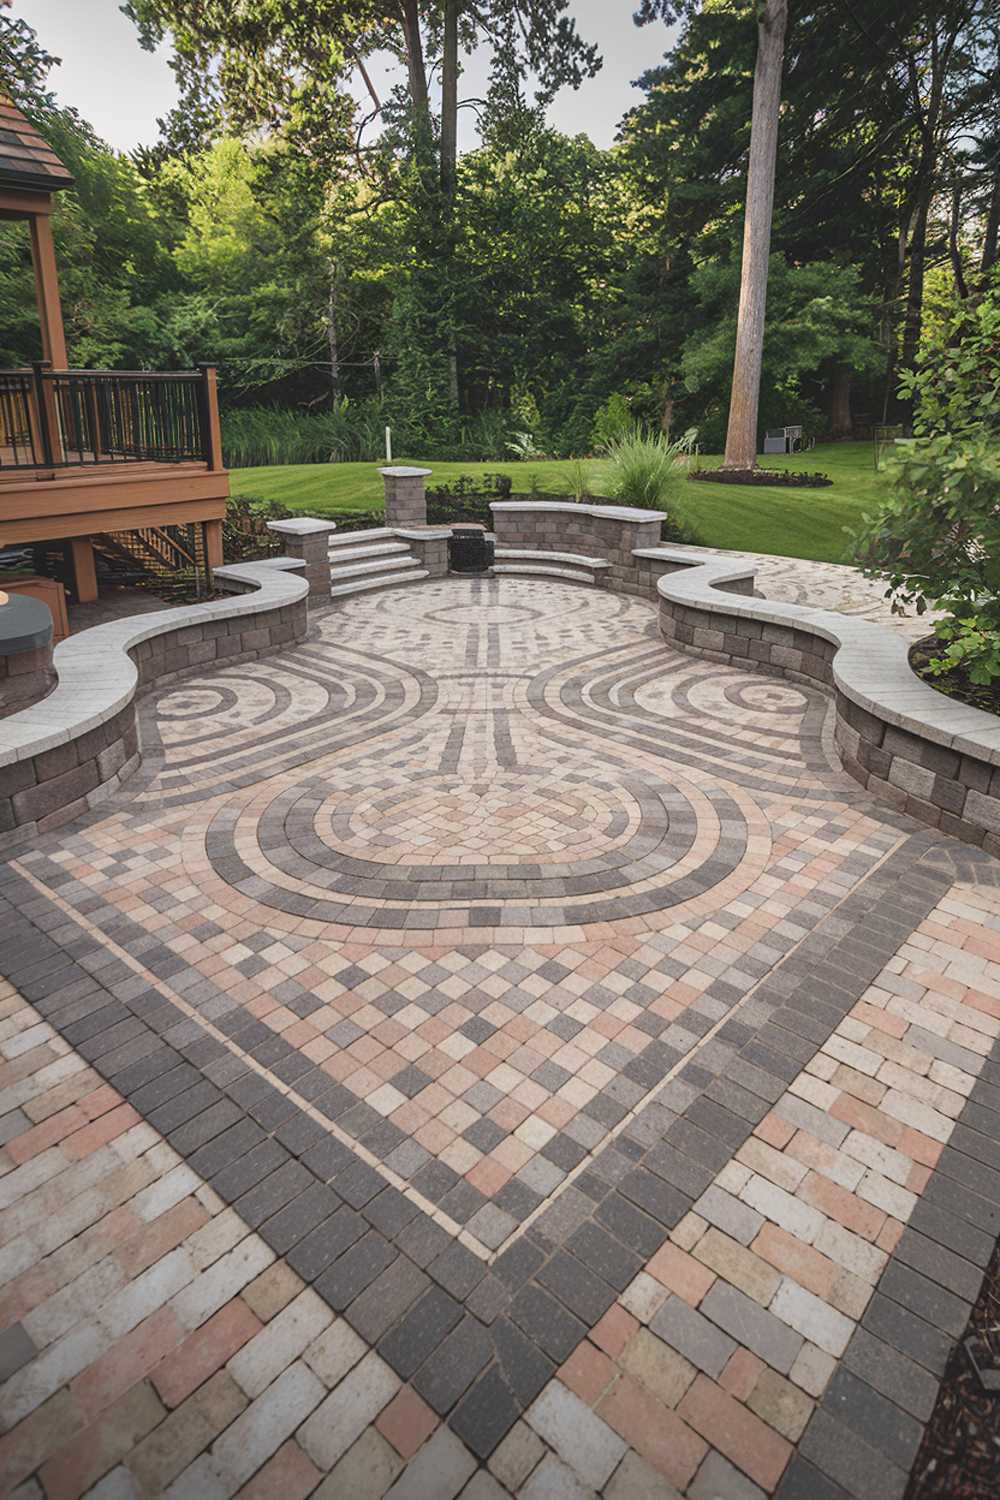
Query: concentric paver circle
[[557, 1009]]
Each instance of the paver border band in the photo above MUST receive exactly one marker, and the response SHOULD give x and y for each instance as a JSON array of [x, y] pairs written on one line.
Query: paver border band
[[480, 1342]]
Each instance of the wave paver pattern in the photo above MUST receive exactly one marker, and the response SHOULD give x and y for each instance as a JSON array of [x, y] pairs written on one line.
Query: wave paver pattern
[[637, 1138]]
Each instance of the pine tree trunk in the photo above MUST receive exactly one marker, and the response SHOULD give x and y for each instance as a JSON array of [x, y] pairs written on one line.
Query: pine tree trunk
[[449, 150], [741, 435]]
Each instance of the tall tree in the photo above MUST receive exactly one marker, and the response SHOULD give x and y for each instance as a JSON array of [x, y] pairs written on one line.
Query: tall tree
[[741, 433], [772, 22]]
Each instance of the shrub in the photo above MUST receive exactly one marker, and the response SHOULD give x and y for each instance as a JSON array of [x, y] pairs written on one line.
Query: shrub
[[936, 541], [956, 383], [349, 431], [467, 498], [613, 421], [579, 480], [645, 469], [245, 536]]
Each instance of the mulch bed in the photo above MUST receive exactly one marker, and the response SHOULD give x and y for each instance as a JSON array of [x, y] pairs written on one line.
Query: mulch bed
[[959, 1458], [791, 478], [953, 684]]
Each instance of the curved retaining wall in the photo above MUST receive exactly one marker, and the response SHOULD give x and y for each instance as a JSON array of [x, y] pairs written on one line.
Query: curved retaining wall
[[936, 759], [66, 754], [933, 758]]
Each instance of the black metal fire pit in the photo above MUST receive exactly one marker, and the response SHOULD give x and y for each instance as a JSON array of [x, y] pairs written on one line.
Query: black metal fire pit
[[470, 550]]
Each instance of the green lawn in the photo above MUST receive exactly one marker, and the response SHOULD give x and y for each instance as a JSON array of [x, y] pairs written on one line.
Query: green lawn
[[789, 522]]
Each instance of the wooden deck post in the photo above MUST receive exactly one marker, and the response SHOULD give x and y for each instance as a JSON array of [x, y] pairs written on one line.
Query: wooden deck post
[[47, 291], [213, 544], [84, 572], [48, 417], [210, 430]]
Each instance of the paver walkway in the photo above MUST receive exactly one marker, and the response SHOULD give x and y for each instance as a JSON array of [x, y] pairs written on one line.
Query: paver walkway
[[487, 1052]]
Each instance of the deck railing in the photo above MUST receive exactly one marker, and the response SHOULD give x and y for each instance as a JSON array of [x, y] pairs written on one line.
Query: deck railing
[[59, 419]]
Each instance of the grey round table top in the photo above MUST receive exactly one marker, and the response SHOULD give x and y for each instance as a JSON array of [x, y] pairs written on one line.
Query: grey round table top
[[25, 623]]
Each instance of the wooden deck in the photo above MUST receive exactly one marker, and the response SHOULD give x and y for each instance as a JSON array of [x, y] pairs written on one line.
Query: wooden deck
[[85, 499]]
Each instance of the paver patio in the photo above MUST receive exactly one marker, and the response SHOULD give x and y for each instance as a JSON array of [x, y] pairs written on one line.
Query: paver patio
[[485, 1051]]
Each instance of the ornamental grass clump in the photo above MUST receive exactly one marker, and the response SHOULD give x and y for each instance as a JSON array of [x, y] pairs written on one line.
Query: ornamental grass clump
[[645, 469]]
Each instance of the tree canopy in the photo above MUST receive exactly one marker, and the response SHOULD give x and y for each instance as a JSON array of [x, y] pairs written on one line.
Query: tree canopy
[[323, 242]]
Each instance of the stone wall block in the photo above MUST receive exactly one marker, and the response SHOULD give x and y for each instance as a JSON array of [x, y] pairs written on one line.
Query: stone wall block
[[916, 780], [983, 810]]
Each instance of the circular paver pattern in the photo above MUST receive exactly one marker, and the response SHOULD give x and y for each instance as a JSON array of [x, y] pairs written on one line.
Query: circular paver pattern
[[472, 874]]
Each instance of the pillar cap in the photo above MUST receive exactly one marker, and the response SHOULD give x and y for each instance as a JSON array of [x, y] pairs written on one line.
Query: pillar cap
[[301, 526], [405, 473]]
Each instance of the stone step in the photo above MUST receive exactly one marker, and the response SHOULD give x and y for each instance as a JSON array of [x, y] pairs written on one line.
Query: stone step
[[380, 581], [354, 538], [375, 549], [376, 565], [570, 559], [570, 575]]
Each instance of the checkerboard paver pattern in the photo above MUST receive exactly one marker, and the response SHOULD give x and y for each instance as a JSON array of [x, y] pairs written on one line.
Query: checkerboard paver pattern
[[681, 1181]]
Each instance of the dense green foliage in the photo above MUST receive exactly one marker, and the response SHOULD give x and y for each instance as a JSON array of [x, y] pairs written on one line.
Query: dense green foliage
[[534, 294], [936, 536]]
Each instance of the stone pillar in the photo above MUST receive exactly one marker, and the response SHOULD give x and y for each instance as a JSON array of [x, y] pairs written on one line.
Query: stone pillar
[[305, 537], [405, 501], [26, 671], [431, 546]]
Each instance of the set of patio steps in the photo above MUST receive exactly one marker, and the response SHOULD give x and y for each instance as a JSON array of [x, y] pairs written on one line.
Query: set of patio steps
[[572, 567], [361, 561]]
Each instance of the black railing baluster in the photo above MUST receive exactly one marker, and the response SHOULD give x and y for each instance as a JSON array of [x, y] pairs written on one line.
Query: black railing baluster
[[80, 418]]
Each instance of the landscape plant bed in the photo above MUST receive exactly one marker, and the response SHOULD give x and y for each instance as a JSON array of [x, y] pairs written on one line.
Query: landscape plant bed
[[790, 478], [960, 1453], [955, 684]]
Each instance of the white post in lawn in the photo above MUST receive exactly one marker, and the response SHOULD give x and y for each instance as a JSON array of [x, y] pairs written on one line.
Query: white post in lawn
[[388, 445]]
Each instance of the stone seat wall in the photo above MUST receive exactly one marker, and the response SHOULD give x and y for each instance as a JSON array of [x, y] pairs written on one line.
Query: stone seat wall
[[66, 754], [935, 759]]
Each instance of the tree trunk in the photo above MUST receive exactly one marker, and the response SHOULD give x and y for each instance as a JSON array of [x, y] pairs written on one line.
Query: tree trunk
[[449, 152], [741, 436], [667, 415], [332, 342], [954, 248], [991, 239], [841, 421], [449, 99], [913, 321], [417, 77]]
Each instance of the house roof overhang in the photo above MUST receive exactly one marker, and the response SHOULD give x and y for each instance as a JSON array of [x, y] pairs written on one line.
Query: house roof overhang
[[28, 164]]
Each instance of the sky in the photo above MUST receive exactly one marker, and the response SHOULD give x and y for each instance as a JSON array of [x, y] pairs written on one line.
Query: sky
[[122, 90]]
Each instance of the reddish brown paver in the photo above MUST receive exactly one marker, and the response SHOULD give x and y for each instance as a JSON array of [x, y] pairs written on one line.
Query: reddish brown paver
[[746, 1341]]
